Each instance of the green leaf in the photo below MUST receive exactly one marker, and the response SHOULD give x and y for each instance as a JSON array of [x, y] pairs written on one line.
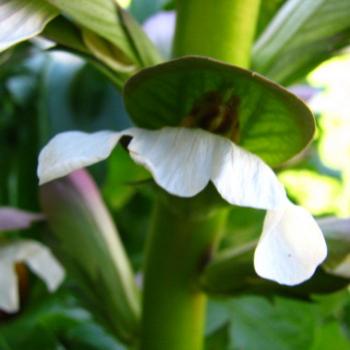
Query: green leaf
[[57, 322], [257, 324], [109, 29], [146, 52], [301, 35], [107, 53], [192, 91], [99, 16], [22, 20], [268, 9], [331, 333], [65, 33]]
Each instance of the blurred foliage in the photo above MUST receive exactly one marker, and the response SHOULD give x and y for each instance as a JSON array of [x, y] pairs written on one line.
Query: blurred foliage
[[56, 322]]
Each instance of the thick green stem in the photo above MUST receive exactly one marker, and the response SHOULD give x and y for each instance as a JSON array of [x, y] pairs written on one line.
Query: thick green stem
[[222, 29], [179, 248], [185, 231]]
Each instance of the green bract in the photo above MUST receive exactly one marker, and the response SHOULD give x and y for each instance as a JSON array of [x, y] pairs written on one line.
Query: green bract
[[195, 91]]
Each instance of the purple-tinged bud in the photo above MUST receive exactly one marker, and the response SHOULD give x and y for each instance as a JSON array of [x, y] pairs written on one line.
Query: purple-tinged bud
[[88, 244]]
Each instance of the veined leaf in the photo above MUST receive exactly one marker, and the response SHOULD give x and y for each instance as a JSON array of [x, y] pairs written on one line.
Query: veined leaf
[[200, 92], [268, 9], [100, 16], [108, 21], [23, 19], [301, 35]]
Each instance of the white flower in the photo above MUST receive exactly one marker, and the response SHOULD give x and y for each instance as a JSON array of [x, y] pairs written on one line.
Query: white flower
[[38, 258], [183, 161]]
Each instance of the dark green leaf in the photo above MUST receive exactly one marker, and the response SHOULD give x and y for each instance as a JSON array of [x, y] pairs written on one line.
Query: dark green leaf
[[57, 322], [258, 324], [303, 34], [192, 91]]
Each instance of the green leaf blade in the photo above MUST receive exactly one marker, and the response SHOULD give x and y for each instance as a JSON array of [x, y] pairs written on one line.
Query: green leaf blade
[[301, 35]]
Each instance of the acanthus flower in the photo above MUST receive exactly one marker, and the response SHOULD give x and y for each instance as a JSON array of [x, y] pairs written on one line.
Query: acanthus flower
[[183, 161]]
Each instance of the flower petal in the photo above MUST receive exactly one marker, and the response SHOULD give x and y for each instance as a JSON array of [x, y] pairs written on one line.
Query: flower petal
[[38, 258], [291, 246], [244, 179], [22, 19], [73, 150], [183, 161], [16, 219], [8, 287], [179, 159]]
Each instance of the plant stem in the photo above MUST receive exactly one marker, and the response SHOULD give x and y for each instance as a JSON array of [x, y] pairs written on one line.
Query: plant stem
[[222, 29], [185, 231], [173, 305]]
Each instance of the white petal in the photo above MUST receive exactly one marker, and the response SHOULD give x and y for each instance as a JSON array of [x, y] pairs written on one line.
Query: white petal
[[179, 159], [8, 287], [183, 161], [291, 246], [73, 150], [244, 179], [38, 258], [22, 19]]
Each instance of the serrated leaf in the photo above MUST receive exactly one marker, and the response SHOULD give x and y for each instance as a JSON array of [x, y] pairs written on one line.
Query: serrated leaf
[[23, 19], [301, 35], [272, 122]]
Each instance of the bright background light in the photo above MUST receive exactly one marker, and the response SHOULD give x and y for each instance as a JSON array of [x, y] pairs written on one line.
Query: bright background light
[[322, 194]]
